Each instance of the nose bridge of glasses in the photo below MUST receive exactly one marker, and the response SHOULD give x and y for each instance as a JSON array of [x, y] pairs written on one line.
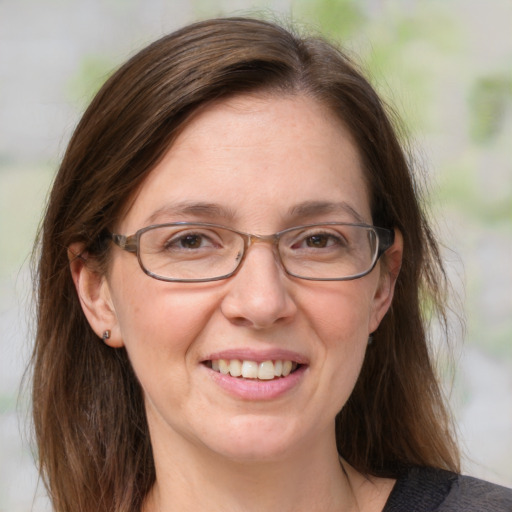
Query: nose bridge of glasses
[[272, 240], [265, 239]]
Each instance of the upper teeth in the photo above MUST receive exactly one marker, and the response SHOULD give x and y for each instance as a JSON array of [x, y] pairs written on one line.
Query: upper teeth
[[266, 370]]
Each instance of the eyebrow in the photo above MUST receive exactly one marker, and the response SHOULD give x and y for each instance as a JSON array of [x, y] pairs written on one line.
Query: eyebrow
[[187, 209], [214, 211], [310, 209]]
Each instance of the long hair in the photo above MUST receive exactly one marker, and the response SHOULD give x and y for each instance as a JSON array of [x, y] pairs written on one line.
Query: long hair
[[88, 407]]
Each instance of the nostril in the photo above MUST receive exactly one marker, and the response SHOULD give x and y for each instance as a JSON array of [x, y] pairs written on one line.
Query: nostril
[[240, 321]]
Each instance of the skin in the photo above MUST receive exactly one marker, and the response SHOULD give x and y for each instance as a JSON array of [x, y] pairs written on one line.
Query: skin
[[257, 158]]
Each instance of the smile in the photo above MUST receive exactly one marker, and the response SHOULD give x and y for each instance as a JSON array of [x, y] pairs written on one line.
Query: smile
[[247, 369]]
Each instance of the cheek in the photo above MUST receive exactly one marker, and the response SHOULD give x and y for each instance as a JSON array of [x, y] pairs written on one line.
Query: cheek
[[159, 322], [344, 335], [339, 317], [341, 312]]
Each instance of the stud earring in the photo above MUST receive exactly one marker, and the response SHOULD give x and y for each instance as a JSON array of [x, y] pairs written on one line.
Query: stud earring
[[106, 335]]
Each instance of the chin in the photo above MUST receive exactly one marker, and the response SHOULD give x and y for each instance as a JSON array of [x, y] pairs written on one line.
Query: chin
[[253, 438]]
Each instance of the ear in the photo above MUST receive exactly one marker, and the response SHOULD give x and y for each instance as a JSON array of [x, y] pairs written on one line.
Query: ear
[[94, 295], [390, 265]]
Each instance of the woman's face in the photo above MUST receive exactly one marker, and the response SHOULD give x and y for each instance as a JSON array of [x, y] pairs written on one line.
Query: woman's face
[[257, 164]]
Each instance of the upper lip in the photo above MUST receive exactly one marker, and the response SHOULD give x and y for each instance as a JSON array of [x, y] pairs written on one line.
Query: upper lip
[[258, 355]]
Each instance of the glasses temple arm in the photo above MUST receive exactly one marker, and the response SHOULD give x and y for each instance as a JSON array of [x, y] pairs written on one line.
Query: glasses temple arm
[[127, 243], [386, 239]]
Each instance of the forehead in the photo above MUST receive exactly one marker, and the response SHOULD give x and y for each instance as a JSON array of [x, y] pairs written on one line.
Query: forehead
[[255, 158]]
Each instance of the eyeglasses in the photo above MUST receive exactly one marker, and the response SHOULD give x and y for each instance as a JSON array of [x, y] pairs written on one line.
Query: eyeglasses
[[198, 252]]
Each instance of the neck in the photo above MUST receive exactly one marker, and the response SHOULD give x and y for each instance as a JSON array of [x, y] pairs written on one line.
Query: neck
[[198, 480]]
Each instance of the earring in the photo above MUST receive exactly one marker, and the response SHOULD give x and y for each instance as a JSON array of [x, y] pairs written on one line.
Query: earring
[[106, 335], [370, 339]]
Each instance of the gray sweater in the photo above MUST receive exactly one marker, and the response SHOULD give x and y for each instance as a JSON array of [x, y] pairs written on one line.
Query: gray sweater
[[434, 490]]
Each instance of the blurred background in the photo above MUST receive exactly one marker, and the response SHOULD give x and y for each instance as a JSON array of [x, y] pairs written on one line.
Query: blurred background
[[445, 65]]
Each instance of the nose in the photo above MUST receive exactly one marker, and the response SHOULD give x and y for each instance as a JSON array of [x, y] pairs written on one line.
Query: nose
[[258, 294]]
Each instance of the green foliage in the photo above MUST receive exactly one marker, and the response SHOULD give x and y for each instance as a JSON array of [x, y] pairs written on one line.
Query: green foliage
[[341, 19], [22, 195], [92, 72], [490, 100], [7, 403]]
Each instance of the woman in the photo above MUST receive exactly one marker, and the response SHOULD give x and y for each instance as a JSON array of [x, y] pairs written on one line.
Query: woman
[[232, 269]]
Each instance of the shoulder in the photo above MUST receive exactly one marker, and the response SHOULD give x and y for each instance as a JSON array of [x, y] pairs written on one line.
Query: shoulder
[[472, 494], [435, 490]]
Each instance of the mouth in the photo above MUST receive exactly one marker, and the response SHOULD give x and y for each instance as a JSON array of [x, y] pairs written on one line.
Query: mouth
[[254, 370]]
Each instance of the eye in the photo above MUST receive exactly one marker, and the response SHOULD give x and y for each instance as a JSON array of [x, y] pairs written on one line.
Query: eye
[[319, 240], [191, 241]]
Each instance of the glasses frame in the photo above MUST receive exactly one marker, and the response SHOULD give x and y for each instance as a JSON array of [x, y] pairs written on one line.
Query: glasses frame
[[131, 243]]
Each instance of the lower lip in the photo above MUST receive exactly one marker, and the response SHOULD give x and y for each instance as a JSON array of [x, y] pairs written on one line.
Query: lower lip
[[254, 389]]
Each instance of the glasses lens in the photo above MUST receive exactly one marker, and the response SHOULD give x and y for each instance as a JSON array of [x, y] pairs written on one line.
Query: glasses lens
[[337, 251], [190, 252]]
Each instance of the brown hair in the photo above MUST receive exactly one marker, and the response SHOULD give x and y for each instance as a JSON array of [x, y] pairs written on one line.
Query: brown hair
[[93, 440]]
